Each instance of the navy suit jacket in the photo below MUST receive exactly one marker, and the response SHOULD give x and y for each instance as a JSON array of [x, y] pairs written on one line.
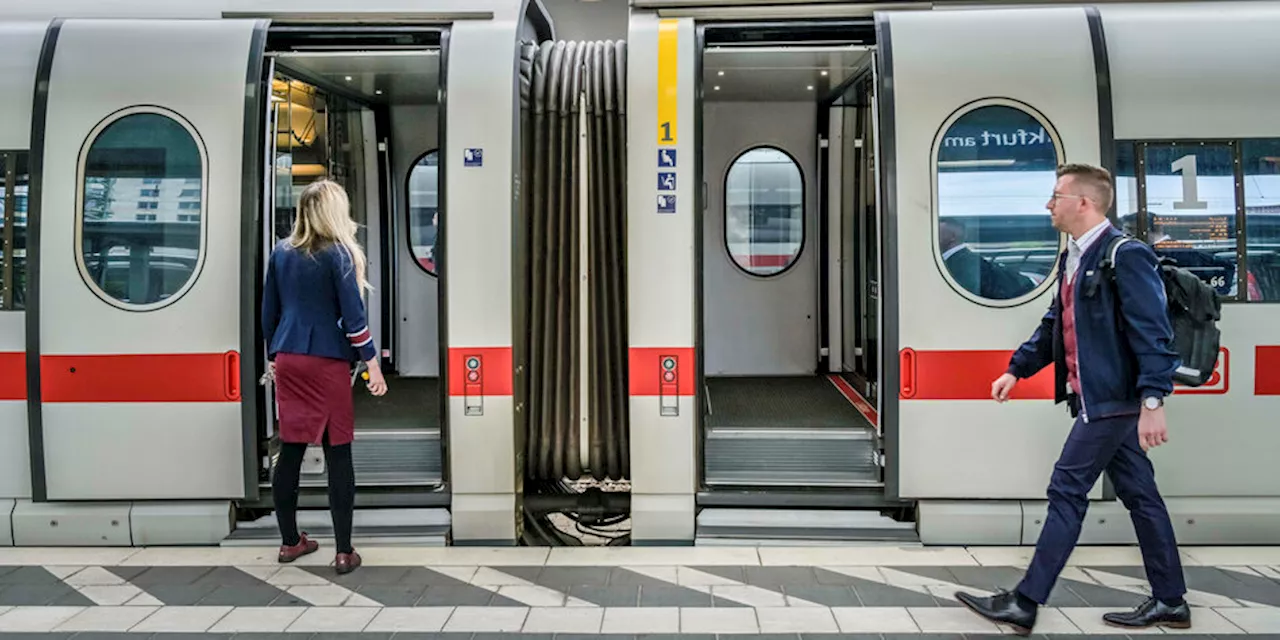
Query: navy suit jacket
[[1123, 334], [311, 305]]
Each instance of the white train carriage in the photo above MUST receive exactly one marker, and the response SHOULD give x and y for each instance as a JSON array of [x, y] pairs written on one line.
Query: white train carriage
[[832, 380], [744, 277], [160, 162]]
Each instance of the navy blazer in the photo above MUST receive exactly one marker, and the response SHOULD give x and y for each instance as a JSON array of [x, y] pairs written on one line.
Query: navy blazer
[[311, 305], [1123, 333]]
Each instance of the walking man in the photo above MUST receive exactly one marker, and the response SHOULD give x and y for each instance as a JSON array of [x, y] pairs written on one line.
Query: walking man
[[1110, 344]]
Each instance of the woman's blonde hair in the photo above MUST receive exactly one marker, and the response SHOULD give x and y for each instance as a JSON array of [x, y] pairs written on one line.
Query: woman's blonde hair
[[324, 218]]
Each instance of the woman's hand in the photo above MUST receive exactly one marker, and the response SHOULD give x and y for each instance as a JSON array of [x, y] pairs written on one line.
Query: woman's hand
[[377, 384]]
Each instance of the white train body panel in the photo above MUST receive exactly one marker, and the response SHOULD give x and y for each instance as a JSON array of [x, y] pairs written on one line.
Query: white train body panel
[[1204, 73]]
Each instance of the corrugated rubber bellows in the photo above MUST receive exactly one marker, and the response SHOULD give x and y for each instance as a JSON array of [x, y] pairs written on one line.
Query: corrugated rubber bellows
[[560, 82]]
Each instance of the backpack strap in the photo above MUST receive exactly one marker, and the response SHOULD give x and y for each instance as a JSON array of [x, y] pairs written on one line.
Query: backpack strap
[[1109, 258]]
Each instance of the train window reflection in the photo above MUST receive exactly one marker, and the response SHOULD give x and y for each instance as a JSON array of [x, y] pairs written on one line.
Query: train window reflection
[[139, 236], [1262, 218], [1191, 209], [424, 199], [764, 211], [996, 167]]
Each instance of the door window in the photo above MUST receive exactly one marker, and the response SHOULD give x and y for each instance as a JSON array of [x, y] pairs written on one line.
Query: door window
[[141, 213]]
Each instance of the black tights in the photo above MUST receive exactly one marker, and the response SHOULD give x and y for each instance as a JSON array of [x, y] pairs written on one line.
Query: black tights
[[342, 490]]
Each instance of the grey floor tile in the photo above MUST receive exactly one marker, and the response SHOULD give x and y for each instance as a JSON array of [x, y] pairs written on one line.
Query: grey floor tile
[[182, 595], [366, 575], [289, 600], [241, 596], [28, 576], [840, 636], [351, 636], [190, 636], [558, 577], [513, 636], [738, 574], [608, 595], [874, 594], [161, 575], [673, 597], [773, 577], [230, 577], [677, 636], [1100, 596], [1232, 584], [595, 636], [36, 595], [826, 577], [467, 596], [393, 595], [826, 595]]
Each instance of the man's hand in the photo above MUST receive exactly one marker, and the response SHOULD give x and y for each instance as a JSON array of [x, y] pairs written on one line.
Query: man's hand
[[1152, 431], [1002, 387]]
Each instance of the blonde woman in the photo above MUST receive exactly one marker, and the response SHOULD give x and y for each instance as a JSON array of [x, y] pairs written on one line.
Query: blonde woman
[[313, 320]]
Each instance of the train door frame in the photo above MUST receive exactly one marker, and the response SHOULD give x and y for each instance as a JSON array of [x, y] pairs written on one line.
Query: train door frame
[[381, 178], [866, 33]]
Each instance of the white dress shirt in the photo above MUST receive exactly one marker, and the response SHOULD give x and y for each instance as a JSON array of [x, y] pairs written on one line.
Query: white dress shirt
[[1076, 248]]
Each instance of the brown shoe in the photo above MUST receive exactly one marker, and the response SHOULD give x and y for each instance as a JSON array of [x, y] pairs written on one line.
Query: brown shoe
[[347, 562], [304, 547]]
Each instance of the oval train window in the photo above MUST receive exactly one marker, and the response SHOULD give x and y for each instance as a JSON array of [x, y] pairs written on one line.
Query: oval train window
[[141, 213], [996, 166], [424, 199], [764, 211]]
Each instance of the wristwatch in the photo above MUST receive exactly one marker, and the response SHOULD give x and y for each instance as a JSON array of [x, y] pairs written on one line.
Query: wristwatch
[[1152, 403]]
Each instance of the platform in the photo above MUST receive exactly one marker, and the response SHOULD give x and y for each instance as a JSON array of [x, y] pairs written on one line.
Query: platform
[[863, 592]]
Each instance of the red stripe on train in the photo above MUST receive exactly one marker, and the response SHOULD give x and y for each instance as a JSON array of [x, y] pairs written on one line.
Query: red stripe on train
[[486, 370], [13, 376], [149, 377], [648, 376], [964, 375], [1266, 371]]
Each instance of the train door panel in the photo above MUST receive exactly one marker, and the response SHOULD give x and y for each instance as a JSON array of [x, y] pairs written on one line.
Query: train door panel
[[416, 162], [760, 277], [147, 136], [971, 137]]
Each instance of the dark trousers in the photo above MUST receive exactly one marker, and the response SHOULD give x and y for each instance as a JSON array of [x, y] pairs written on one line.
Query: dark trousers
[[342, 490], [1109, 444]]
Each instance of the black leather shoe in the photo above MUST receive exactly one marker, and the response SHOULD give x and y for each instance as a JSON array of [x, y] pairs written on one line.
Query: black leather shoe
[[1002, 608], [1152, 613]]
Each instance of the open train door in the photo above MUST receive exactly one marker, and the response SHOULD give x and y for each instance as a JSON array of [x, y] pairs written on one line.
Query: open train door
[[971, 135], [143, 218]]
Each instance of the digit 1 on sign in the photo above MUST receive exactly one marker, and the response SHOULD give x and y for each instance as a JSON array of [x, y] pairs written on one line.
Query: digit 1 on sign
[[1187, 165], [666, 132]]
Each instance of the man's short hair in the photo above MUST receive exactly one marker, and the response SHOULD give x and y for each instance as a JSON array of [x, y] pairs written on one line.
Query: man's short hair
[[1094, 181]]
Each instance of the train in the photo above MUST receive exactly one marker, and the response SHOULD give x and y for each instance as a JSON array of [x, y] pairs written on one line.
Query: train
[[741, 278]]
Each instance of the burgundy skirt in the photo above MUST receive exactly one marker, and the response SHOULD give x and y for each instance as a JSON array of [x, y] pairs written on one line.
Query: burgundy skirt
[[313, 395]]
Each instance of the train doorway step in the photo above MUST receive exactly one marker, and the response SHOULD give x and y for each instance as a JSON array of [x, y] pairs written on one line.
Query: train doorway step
[[787, 431], [405, 527]]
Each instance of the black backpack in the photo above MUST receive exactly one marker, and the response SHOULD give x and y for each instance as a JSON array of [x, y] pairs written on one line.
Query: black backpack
[[1194, 311]]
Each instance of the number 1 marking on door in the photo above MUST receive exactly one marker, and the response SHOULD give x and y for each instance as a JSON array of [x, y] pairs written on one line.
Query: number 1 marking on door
[[1187, 165]]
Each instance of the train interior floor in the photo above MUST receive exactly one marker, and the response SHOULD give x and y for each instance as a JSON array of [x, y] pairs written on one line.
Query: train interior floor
[[787, 431], [878, 591], [410, 403]]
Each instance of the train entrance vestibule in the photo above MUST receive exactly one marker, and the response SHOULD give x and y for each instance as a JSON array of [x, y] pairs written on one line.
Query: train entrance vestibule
[[370, 120]]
